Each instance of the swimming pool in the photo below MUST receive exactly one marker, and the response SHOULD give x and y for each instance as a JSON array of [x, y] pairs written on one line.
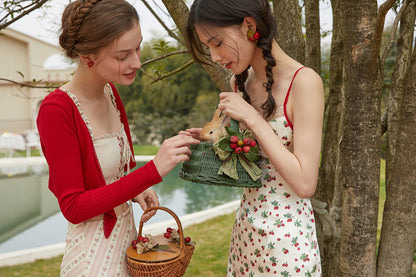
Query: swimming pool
[[27, 203]]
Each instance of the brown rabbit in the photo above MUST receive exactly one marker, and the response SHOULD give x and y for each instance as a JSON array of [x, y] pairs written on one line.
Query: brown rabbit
[[215, 129]]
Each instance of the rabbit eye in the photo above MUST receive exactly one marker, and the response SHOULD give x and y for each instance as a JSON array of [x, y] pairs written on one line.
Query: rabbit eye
[[211, 132]]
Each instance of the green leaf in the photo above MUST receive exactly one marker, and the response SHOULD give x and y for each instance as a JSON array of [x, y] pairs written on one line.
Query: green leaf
[[232, 132], [163, 247], [253, 154], [224, 144]]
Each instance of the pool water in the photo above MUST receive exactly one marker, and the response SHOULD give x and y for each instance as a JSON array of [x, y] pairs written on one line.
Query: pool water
[[181, 196]]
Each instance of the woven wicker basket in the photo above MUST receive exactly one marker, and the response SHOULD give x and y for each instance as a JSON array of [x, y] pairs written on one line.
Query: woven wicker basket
[[203, 165], [158, 264]]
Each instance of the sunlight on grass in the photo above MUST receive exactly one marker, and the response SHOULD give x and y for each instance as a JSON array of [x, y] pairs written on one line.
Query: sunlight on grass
[[40, 268], [145, 149], [211, 252]]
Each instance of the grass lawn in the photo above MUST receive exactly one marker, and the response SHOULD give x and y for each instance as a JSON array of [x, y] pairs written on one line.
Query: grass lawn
[[145, 149], [209, 258]]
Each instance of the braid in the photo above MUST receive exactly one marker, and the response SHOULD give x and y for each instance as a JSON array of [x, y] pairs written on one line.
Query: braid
[[71, 23], [265, 43], [270, 105]]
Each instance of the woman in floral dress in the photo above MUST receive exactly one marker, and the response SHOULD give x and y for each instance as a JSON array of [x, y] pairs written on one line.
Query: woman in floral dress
[[282, 103]]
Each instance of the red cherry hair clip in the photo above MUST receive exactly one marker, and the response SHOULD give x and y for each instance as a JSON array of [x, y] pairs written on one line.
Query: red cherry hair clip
[[253, 35]]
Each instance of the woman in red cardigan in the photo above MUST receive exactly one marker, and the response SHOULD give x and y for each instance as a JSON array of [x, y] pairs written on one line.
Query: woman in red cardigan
[[86, 139]]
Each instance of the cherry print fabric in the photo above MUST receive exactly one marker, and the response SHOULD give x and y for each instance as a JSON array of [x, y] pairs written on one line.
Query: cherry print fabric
[[274, 232]]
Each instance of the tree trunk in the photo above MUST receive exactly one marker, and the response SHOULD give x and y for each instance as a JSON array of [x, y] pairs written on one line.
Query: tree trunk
[[313, 35], [403, 57], [328, 190], [359, 156], [289, 28], [180, 12], [398, 233]]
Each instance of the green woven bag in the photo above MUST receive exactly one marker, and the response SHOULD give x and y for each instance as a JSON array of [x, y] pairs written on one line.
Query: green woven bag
[[203, 166]]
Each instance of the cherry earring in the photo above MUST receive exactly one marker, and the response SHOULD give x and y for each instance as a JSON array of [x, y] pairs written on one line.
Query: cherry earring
[[90, 64], [253, 35]]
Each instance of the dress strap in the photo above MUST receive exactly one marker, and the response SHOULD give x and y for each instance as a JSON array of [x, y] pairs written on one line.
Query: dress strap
[[287, 97]]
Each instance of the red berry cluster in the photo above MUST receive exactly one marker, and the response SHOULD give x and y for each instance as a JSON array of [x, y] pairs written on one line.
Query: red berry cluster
[[241, 145], [173, 235], [139, 239]]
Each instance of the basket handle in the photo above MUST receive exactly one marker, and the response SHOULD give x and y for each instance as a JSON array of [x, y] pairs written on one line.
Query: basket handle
[[234, 124], [178, 223]]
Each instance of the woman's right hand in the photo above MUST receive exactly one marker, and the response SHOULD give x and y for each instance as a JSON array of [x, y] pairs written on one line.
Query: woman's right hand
[[193, 132], [173, 151]]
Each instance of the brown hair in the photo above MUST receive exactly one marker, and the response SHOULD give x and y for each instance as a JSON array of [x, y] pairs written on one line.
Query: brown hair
[[224, 13], [88, 25]]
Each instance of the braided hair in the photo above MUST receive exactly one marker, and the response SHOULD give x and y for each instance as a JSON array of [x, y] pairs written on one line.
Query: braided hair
[[225, 13], [89, 25]]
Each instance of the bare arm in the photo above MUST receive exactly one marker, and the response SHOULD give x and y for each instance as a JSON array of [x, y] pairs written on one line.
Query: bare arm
[[305, 108]]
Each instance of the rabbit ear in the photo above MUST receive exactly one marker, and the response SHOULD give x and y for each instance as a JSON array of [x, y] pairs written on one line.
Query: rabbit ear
[[224, 120], [217, 113]]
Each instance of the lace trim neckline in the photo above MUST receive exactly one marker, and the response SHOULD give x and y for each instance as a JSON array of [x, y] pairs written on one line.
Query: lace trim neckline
[[109, 91], [110, 135]]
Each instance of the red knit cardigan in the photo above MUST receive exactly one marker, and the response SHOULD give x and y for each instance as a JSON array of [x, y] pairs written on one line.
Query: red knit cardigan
[[75, 175]]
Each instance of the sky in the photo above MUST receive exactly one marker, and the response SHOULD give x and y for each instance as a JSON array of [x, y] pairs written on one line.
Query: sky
[[44, 23]]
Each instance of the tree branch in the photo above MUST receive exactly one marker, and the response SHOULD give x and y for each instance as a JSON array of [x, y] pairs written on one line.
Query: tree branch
[[168, 74], [31, 84], [165, 56], [170, 32], [393, 33], [14, 19], [378, 33]]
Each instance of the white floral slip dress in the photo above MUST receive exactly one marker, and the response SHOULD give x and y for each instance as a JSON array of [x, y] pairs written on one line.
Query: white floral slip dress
[[87, 251], [274, 232]]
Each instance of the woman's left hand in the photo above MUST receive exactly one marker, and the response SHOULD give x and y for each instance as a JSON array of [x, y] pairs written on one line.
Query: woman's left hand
[[147, 199], [233, 105]]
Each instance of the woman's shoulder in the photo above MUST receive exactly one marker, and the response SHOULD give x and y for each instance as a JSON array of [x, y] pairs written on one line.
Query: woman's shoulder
[[306, 80], [307, 76], [308, 88], [58, 96], [57, 101]]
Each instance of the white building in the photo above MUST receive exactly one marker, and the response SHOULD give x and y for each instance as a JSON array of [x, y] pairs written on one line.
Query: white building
[[25, 58]]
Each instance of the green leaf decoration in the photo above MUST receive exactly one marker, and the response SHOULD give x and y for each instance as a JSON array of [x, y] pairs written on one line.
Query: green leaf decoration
[[229, 167], [162, 247], [224, 144], [252, 169], [230, 158], [222, 154], [253, 154], [232, 132]]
